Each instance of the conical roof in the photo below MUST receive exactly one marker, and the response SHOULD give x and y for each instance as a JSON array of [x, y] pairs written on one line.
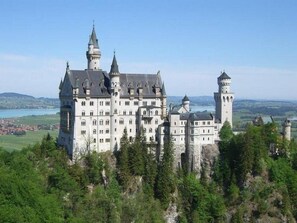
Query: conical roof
[[114, 66], [186, 98], [93, 39], [224, 76]]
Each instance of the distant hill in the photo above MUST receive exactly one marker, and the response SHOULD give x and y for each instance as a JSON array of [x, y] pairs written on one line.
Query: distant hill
[[195, 100], [11, 100], [14, 95]]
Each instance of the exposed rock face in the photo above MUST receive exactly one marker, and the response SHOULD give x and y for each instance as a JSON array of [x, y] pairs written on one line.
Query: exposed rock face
[[209, 155], [171, 215]]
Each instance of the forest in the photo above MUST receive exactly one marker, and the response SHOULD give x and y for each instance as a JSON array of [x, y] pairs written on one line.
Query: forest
[[254, 179]]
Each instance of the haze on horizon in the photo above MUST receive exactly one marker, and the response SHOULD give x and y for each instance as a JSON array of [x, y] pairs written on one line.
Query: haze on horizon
[[190, 42]]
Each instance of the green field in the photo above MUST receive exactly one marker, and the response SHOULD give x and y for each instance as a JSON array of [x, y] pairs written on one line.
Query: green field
[[39, 119], [12, 142]]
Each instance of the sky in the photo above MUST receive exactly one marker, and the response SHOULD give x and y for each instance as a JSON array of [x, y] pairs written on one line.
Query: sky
[[189, 41]]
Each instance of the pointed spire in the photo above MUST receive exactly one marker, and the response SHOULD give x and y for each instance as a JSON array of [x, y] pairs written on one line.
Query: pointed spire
[[93, 38], [114, 66], [224, 76], [163, 89], [186, 98], [61, 84], [67, 68]]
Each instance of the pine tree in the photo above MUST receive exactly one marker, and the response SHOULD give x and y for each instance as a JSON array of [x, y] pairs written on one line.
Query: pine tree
[[165, 184], [123, 161], [136, 159]]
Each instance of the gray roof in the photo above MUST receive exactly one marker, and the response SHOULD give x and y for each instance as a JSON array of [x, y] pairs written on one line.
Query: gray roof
[[196, 116], [145, 81], [93, 39], [224, 76], [186, 98], [114, 66], [163, 91], [98, 82]]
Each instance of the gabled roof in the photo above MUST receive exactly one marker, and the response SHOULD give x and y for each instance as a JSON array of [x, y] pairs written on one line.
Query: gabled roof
[[196, 116], [98, 82], [224, 76], [95, 80], [136, 81]]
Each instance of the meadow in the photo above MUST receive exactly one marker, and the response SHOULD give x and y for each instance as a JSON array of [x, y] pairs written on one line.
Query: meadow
[[12, 142]]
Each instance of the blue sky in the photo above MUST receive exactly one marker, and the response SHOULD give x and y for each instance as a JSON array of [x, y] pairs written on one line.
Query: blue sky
[[190, 42]]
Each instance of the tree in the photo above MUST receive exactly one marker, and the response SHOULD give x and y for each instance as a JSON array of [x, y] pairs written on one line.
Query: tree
[[123, 172], [226, 132], [165, 183]]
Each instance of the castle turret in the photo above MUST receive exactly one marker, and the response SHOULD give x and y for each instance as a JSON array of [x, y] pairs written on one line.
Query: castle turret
[[186, 103], [93, 53], [224, 99], [287, 129], [164, 101], [115, 89]]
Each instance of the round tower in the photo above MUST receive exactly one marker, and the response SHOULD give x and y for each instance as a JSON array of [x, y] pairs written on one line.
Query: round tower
[[186, 103], [224, 82], [115, 89], [224, 100], [287, 129], [93, 53]]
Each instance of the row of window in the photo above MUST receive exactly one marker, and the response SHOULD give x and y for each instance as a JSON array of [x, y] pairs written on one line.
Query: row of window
[[127, 103], [193, 123], [101, 113], [203, 131], [203, 139], [149, 113], [121, 122]]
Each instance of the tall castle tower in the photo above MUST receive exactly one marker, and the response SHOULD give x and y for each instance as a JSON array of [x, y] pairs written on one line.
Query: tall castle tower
[[93, 53], [287, 129], [115, 89], [224, 99]]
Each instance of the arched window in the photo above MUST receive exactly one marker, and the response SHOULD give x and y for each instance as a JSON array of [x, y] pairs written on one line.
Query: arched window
[[101, 122], [121, 121], [94, 131], [130, 121], [156, 112], [144, 112], [107, 122], [94, 122]]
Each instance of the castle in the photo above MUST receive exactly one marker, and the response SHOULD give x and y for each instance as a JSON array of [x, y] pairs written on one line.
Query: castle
[[96, 107]]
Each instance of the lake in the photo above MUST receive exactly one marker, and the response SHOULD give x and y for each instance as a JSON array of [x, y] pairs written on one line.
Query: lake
[[197, 108], [13, 113]]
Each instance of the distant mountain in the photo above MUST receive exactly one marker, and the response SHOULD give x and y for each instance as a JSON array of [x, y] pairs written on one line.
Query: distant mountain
[[14, 95], [194, 100], [11, 100]]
